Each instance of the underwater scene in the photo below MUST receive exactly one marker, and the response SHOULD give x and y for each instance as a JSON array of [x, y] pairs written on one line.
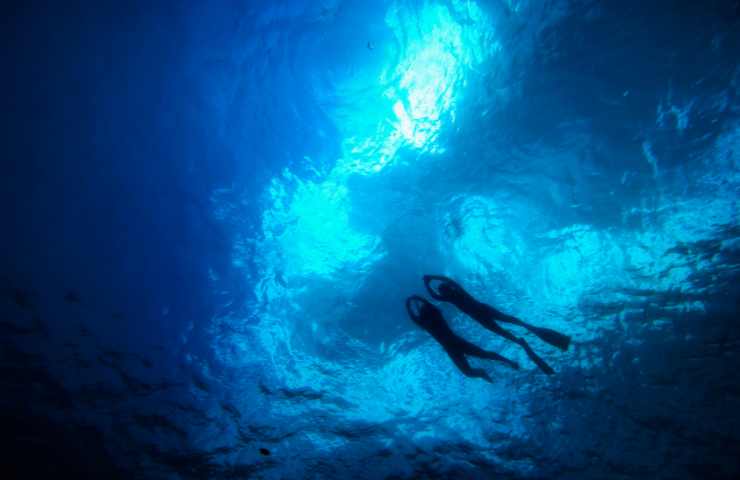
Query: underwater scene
[[370, 239]]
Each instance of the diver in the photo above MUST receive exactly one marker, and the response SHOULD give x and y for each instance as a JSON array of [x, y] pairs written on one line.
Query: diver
[[428, 317], [450, 291]]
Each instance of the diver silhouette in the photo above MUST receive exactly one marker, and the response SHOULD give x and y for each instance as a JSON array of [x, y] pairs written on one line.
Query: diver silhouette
[[428, 317], [450, 291]]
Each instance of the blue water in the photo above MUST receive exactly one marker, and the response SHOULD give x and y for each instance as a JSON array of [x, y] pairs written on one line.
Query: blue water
[[213, 213]]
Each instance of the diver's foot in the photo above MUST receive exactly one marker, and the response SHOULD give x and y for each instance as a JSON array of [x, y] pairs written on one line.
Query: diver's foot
[[480, 373], [546, 368], [536, 359]]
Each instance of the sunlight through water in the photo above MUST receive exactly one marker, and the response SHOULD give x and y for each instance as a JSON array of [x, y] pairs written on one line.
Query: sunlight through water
[[438, 46], [403, 104]]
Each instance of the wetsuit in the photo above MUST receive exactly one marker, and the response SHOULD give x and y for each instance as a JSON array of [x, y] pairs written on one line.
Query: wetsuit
[[428, 317]]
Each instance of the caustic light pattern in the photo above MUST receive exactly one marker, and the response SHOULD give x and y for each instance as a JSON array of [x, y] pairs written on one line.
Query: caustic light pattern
[[307, 232], [438, 46]]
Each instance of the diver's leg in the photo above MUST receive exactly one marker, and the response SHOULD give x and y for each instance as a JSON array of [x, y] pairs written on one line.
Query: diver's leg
[[548, 335], [499, 330], [476, 351], [496, 328], [502, 317], [462, 364]]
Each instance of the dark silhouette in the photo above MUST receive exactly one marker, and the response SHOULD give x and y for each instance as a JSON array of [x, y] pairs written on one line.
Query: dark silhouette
[[428, 317], [264, 452], [450, 291]]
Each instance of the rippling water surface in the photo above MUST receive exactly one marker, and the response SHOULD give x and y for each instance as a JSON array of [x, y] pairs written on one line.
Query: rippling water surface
[[215, 212]]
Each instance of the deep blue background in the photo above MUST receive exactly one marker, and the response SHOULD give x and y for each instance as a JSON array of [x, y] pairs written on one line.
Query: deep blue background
[[122, 120]]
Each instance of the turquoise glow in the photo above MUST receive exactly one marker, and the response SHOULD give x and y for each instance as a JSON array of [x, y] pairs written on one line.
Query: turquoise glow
[[434, 51], [308, 234], [401, 101]]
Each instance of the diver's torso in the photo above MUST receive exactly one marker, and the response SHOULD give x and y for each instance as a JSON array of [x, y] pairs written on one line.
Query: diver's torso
[[431, 320]]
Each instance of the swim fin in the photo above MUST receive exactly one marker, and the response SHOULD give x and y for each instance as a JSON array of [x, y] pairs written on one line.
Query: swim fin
[[552, 337], [533, 356]]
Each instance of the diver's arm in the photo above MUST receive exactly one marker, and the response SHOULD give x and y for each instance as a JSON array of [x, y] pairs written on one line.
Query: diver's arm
[[428, 279], [414, 316], [458, 292]]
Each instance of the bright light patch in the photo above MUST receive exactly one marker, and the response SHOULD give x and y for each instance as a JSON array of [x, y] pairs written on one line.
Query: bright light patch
[[404, 126], [312, 233], [439, 45], [401, 103], [428, 75]]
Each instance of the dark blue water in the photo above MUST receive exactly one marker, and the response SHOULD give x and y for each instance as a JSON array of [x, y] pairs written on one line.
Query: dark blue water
[[213, 214]]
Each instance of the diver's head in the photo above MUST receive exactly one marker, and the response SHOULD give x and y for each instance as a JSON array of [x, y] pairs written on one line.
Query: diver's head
[[421, 311], [415, 306], [426, 309]]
